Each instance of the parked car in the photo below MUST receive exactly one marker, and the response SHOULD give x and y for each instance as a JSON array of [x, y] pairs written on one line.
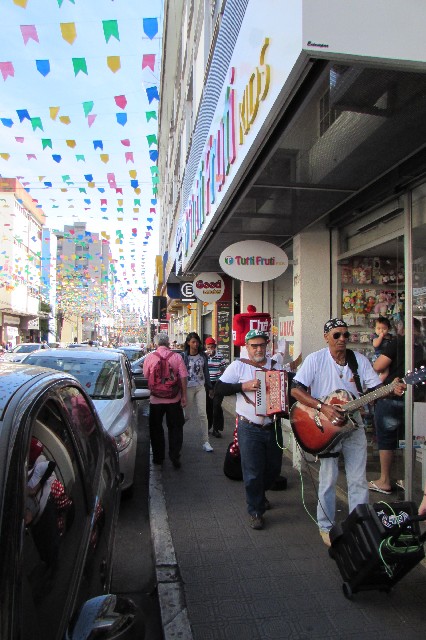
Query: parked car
[[20, 351], [133, 353], [137, 372], [106, 377], [56, 562]]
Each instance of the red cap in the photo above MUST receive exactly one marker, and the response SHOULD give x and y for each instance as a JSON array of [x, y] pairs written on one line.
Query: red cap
[[210, 340], [35, 450]]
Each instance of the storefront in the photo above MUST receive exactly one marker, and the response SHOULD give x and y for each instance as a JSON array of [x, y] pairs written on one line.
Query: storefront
[[312, 138]]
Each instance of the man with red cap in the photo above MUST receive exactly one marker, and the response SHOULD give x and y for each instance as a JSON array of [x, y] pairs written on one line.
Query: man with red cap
[[216, 364]]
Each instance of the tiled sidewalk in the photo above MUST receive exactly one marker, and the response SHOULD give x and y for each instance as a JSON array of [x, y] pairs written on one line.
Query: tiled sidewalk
[[240, 584]]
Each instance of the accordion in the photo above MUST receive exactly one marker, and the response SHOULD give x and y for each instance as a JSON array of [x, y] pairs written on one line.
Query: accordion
[[272, 395]]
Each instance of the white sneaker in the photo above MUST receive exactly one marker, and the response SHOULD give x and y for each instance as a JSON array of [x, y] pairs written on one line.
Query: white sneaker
[[207, 446]]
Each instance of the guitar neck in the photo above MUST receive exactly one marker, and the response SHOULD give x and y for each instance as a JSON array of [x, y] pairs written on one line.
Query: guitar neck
[[353, 405]]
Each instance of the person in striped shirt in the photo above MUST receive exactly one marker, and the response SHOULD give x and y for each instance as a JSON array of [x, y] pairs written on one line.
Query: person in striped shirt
[[217, 365]]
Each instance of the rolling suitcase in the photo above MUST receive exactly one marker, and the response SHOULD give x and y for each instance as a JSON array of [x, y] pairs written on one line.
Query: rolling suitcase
[[377, 545]]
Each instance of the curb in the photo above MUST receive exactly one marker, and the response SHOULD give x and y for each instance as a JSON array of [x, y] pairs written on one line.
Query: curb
[[171, 596]]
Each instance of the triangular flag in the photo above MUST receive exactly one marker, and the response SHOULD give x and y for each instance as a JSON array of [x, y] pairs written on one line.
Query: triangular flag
[[7, 122], [133, 173], [91, 119], [43, 66], [71, 143], [152, 139], [129, 156], [54, 112], [113, 63], [5, 156], [153, 154], [68, 31], [98, 144], [87, 107], [148, 60], [79, 157], [65, 119], [151, 115], [21, 3], [121, 118], [23, 114], [45, 143], [150, 27], [36, 124], [57, 158], [29, 32], [152, 94], [110, 29], [79, 64], [104, 157], [125, 143], [7, 69], [120, 101]]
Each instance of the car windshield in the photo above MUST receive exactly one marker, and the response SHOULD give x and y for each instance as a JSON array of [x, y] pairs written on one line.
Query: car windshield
[[102, 379], [132, 354], [26, 348]]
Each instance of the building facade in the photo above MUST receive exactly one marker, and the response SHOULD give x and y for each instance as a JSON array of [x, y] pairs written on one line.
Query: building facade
[[301, 124], [20, 260]]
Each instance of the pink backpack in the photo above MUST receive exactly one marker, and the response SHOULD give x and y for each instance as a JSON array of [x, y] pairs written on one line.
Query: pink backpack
[[163, 381]]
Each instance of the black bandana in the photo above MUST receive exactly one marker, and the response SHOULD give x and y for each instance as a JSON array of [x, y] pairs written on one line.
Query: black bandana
[[333, 323]]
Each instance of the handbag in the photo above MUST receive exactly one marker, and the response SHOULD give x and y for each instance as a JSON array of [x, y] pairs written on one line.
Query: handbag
[[232, 463]]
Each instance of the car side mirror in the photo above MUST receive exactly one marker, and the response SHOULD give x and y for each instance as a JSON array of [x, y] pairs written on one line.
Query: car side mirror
[[107, 617], [140, 394]]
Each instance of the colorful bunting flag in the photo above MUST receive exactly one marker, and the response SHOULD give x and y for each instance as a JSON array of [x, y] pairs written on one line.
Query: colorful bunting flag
[[110, 29], [87, 107], [53, 112], [7, 70], [91, 119], [121, 118], [152, 139], [36, 124], [129, 156], [29, 32], [7, 122], [148, 60], [46, 143], [152, 94], [125, 143], [79, 64], [151, 115], [120, 101], [113, 63], [69, 32], [150, 27], [98, 144]]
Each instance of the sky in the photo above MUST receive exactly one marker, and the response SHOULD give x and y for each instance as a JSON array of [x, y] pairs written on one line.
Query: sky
[[80, 133]]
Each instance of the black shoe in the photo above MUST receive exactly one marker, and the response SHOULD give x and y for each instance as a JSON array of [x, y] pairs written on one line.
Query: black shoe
[[155, 461], [176, 463], [256, 522], [267, 504], [216, 433]]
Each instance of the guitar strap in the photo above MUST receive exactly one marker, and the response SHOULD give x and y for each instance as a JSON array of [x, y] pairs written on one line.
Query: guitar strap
[[353, 366]]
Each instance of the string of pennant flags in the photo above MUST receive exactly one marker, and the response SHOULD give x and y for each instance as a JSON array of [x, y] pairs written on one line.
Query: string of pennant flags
[[99, 194]]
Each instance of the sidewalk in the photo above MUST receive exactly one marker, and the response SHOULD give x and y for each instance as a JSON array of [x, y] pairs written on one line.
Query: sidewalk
[[218, 579]]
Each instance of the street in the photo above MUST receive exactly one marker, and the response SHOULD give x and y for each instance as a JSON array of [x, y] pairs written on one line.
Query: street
[[134, 573]]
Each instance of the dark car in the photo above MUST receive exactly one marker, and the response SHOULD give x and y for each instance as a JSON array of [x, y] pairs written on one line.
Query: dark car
[[59, 500], [133, 353], [137, 372]]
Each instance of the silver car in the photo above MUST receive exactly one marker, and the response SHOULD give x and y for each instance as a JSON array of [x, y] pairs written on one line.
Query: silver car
[[106, 377], [18, 353]]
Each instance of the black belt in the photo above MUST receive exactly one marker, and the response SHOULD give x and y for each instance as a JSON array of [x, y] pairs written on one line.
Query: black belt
[[265, 427]]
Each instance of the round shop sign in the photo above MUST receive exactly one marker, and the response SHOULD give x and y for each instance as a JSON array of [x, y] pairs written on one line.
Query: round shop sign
[[253, 261], [208, 287]]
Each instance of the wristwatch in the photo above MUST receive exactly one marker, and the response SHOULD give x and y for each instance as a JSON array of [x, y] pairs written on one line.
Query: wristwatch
[[319, 405]]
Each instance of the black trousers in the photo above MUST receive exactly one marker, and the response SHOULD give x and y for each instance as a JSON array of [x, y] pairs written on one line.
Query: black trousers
[[214, 411], [175, 421]]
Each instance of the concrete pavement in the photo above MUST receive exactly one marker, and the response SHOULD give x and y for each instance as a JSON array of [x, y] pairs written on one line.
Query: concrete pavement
[[218, 579]]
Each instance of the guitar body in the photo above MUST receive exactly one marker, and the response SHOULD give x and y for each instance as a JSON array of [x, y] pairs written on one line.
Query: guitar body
[[313, 431]]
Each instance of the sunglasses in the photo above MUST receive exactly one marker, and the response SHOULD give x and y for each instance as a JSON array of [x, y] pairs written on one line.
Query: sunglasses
[[337, 334], [260, 345]]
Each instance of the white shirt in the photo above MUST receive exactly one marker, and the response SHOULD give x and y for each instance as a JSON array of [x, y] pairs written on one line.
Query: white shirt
[[239, 371], [321, 373]]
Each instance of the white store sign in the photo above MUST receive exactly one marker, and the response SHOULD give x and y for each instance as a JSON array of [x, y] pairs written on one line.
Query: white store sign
[[253, 261], [208, 287]]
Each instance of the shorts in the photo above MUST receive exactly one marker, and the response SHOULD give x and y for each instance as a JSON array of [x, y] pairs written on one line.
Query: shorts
[[389, 423]]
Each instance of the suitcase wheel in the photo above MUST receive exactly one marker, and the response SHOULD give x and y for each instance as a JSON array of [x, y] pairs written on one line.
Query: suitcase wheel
[[347, 591]]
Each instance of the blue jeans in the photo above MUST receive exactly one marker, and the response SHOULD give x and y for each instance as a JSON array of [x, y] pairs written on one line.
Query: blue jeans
[[389, 422], [261, 458], [354, 449]]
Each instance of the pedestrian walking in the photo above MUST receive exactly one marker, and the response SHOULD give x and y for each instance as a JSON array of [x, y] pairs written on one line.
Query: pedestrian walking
[[198, 384], [167, 381], [217, 365]]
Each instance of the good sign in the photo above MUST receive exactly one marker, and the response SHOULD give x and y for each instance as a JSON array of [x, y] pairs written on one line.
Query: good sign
[[208, 287]]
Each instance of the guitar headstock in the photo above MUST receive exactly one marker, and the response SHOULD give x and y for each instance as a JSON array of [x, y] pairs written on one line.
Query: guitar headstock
[[418, 376]]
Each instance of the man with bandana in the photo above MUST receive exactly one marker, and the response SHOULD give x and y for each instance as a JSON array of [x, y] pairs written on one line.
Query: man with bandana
[[322, 373], [259, 437]]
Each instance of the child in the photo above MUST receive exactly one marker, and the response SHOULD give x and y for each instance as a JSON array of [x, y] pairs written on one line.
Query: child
[[381, 338]]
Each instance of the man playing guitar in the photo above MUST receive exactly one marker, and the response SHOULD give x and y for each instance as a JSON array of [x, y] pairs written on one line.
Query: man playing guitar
[[322, 373]]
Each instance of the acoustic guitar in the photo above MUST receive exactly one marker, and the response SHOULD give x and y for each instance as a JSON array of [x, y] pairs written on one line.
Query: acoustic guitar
[[317, 435]]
